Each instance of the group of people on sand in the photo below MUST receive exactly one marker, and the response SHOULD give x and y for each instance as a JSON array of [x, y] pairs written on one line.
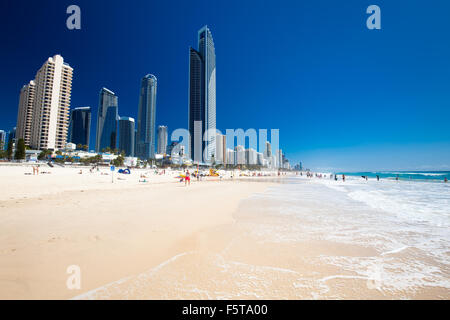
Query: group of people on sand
[[36, 171]]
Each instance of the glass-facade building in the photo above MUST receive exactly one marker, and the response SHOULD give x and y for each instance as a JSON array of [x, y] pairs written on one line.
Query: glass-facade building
[[145, 144], [162, 139], [107, 120], [126, 136], [202, 96], [80, 126]]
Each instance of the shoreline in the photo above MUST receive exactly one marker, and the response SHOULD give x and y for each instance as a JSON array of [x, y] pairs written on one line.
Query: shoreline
[[267, 237]]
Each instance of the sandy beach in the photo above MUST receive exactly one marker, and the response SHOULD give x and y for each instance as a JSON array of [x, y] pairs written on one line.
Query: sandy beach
[[241, 238], [110, 230]]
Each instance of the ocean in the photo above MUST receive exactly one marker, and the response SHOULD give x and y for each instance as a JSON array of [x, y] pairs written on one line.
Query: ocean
[[430, 176]]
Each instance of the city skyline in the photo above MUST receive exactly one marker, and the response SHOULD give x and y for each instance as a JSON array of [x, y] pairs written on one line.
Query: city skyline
[[343, 96]]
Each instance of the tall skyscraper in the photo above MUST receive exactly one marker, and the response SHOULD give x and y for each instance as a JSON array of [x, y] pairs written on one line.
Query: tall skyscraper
[[80, 126], [126, 136], [162, 139], [50, 107], [107, 120], [202, 96], [25, 114], [146, 118]]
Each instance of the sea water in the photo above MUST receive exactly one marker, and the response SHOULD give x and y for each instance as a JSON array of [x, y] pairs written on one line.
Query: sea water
[[405, 222]]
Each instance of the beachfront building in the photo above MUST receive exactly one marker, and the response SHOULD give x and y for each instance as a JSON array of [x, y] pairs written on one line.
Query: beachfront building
[[260, 160], [231, 157], [202, 97], [107, 116], [145, 144], [126, 136], [251, 157], [162, 139], [80, 126], [268, 151], [50, 106], [273, 163], [221, 149], [25, 112], [239, 155], [280, 159]]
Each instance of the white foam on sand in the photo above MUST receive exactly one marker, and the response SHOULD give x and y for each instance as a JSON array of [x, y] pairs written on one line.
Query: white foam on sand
[[107, 290], [407, 223]]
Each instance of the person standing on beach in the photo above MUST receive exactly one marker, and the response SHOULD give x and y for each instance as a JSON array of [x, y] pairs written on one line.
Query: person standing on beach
[[378, 178], [396, 178], [445, 180], [343, 177], [187, 178]]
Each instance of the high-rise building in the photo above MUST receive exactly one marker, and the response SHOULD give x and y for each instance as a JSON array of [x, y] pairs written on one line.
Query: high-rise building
[[221, 149], [51, 102], [251, 156], [145, 144], [280, 159], [107, 117], [126, 136], [162, 139], [239, 155], [202, 97], [25, 113], [268, 151], [261, 161], [231, 157], [80, 126]]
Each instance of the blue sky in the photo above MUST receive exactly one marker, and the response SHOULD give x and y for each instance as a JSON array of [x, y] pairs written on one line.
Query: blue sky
[[343, 96]]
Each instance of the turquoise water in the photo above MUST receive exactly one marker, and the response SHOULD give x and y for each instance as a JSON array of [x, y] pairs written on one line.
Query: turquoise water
[[430, 176]]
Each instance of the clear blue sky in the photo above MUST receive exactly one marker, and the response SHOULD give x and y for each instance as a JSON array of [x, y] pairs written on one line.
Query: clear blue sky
[[343, 96]]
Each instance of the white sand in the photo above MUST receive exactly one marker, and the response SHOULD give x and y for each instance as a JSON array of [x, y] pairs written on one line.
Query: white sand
[[111, 230]]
